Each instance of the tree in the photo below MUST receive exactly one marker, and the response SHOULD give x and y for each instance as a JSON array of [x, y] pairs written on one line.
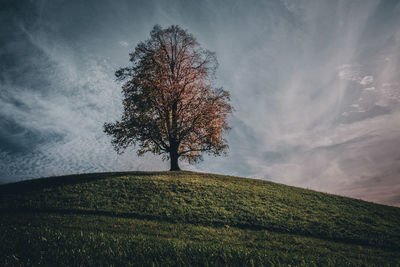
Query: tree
[[170, 106]]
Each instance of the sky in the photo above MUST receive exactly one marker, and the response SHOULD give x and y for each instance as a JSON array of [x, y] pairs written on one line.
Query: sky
[[315, 85]]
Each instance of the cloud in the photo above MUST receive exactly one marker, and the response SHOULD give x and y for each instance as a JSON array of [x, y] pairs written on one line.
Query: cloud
[[315, 124], [123, 43], [57, 124], [350, 72], [391, 91], [367, 80]]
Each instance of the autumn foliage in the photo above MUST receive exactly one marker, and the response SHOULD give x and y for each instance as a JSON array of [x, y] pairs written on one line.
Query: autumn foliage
[[170, 106]]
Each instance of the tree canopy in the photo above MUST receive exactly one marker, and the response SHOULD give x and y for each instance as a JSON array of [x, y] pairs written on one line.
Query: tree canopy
[[170, 106]]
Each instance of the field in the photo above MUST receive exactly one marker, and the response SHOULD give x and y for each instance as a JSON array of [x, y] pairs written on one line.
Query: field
[[186, 218]]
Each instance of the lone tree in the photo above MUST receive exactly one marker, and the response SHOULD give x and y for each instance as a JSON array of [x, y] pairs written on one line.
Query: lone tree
[[170, 107]]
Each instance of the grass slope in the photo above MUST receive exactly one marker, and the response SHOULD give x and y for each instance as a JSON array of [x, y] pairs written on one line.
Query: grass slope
[[186, 218]]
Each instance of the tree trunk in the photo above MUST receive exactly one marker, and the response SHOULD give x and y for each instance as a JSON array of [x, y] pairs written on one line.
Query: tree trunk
[[174, 161]]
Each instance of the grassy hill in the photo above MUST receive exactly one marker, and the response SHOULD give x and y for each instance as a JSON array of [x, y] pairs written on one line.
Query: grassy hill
[[186, 218]]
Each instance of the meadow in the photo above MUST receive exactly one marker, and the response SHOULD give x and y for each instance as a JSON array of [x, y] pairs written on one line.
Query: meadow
[[185, 218]]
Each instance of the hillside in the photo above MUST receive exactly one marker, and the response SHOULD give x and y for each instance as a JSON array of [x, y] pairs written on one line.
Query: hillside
[[187, 218]]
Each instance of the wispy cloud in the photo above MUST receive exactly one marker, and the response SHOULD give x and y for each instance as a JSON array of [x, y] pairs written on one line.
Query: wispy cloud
[[328, 115], [123, 43]]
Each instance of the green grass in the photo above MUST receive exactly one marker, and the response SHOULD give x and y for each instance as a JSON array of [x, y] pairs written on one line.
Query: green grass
[[186, 218]]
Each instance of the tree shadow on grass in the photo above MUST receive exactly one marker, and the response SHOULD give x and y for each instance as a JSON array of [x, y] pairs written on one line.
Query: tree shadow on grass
[[50, 182], [390, 245]]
